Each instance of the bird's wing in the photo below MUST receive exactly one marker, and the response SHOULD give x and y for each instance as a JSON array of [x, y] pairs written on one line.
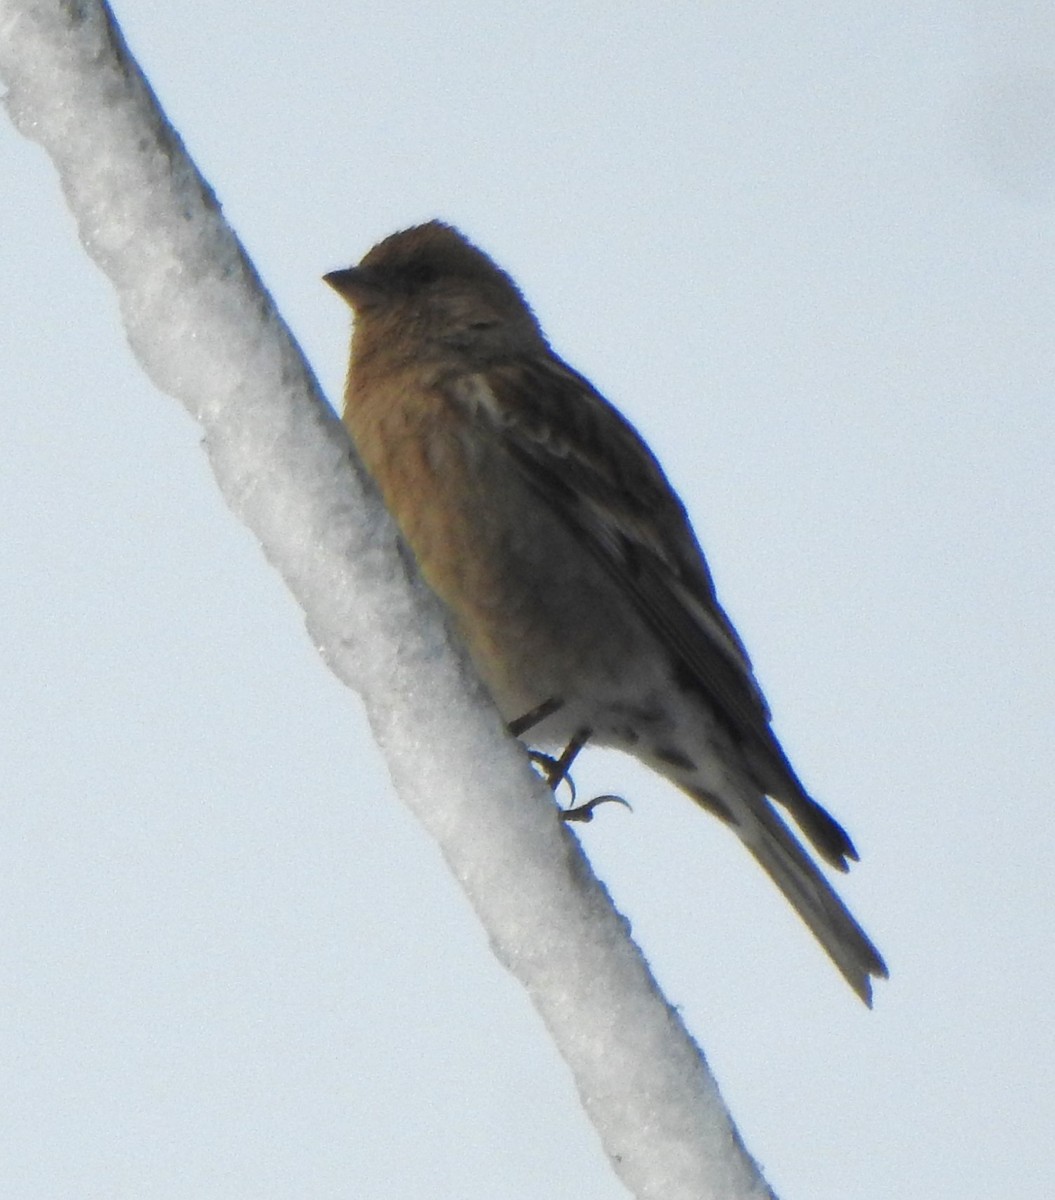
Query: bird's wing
[[583, 459]]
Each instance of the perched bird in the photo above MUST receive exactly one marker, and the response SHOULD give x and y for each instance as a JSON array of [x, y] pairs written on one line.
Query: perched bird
[[544, 523]]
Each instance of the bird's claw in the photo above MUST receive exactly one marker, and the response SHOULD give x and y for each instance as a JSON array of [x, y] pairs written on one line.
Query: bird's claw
[[584, 812]]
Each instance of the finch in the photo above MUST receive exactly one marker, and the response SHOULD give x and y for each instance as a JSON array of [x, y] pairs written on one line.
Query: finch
[[567, 562]]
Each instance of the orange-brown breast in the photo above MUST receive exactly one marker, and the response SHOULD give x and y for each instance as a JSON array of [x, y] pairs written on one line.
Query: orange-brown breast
[[504, 565]]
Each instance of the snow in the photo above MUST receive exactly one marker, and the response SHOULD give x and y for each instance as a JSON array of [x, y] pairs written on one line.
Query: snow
[[204, 329]]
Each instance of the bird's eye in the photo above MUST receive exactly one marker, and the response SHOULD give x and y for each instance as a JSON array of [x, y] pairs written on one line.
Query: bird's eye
[[483, 323]]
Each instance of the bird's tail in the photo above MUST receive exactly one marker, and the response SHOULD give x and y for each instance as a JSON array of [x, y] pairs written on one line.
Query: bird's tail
[[783, 859]]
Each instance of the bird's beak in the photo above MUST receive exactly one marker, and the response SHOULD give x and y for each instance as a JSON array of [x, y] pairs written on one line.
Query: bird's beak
[[359, 286]]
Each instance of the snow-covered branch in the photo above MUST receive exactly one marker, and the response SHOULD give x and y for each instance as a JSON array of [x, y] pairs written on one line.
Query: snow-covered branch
[[207, 333]]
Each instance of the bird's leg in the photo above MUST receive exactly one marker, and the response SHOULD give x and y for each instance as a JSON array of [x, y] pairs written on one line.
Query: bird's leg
[[551, 768], [535, 716], [557, 768]]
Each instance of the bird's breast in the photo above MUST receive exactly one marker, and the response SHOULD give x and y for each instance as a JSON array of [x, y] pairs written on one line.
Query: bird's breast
[[537, 613]]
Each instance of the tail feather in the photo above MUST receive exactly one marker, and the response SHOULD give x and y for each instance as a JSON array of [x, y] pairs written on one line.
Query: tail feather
[[783, 859]]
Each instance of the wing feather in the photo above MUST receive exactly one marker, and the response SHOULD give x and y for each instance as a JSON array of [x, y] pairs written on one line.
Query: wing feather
[[581, 457]]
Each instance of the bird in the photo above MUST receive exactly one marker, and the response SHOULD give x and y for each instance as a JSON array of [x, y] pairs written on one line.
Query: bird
[[566, 561]]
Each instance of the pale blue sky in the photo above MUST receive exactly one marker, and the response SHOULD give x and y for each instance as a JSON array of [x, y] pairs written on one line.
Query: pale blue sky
[[811, 256]]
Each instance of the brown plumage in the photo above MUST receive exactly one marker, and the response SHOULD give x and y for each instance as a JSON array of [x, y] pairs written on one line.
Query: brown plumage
[[542, 520]]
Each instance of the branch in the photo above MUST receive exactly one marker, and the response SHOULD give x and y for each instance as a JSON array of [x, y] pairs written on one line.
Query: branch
[[205, 330]]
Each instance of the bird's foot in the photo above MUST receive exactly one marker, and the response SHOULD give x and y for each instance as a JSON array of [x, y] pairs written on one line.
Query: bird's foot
[[554, 771]]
